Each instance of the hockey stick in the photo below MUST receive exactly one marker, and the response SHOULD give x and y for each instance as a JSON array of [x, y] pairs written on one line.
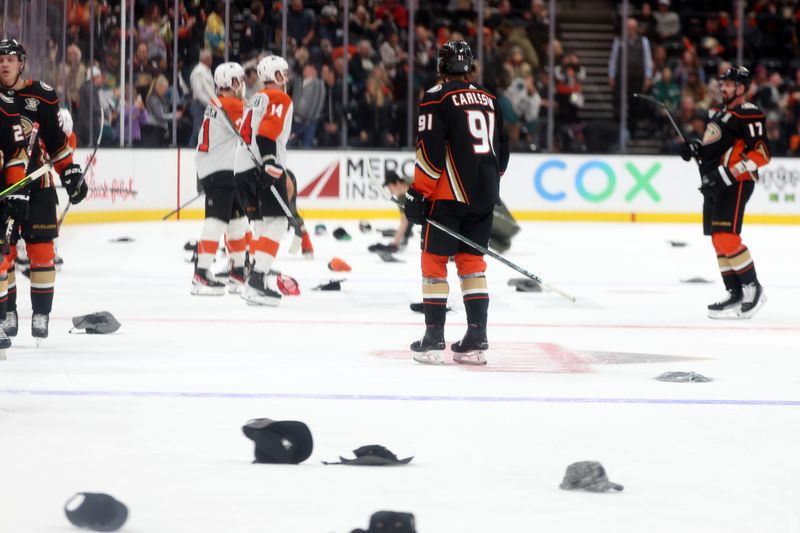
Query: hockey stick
[[387, 196], [292, 220], [85, 169], [666, 111], [165, 217], [27, 180]]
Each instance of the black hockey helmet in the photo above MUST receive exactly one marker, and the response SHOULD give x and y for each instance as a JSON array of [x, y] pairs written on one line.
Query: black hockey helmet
[[12, 47], [737, 74], [455, 57]]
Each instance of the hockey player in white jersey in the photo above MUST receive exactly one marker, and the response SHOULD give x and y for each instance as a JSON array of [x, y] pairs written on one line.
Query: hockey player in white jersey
[[265, 129], [225, 213]]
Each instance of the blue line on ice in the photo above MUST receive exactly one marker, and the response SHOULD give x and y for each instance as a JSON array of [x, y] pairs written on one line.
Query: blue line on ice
[[387, 397]]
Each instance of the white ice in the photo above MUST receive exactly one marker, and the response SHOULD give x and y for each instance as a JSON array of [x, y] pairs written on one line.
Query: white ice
[[153, 413]]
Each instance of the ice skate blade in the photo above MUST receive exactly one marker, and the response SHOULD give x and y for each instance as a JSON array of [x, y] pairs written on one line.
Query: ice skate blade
[[3, 355], [259, 301], [201, 290], [234, 288], [726, 314], [474, 358], [433, 357]]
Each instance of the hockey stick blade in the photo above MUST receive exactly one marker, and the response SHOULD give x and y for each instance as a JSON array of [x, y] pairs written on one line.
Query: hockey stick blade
[[473, 244]]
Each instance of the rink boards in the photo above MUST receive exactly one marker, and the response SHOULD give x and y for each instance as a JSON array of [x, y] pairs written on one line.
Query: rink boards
[[146, 184]]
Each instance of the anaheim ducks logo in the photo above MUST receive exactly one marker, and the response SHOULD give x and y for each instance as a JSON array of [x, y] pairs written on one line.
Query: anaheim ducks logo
[[27, 125], [712, 134]]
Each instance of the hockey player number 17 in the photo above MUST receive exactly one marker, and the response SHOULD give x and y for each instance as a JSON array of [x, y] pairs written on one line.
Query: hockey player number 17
[[481, 127]]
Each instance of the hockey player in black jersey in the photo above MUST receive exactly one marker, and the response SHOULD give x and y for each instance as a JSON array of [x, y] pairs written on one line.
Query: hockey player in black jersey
[[733, 148], [38, 103], [461, 153]]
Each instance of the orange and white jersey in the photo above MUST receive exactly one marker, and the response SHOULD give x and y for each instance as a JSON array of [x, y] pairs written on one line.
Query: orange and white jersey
[[216, 143], [266, 127]]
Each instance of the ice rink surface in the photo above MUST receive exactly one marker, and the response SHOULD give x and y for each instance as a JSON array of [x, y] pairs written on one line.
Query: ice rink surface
[[153, 413]]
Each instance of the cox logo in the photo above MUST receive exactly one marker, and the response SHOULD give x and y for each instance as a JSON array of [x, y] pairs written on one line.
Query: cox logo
[[546, 178]]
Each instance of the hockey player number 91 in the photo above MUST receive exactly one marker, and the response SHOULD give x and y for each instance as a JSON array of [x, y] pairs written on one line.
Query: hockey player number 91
[[481, 127]]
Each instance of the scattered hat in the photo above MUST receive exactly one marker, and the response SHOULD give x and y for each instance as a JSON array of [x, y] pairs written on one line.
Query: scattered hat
[[96, 511], [387, 232], [286, 442], [340, 234], [372, 455], [683, 377], [320, 229], [96, 323], [677, 244], [696, 280], [525, 285], [338, 265], [587, 475], [388, 257], [124, 239], [332, 285], [390, 522], [364, 226], [287, 285]]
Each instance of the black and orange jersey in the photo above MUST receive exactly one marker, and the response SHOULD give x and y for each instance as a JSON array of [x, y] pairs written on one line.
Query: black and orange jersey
[[735, 141], [38, 102], [462, 149], [12, 142]]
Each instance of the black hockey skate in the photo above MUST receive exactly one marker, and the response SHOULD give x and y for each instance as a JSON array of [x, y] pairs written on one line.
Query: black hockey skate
[[727, 308], [470, 350], [236, 280], [430, 348], [204, 284], [39, 327], [11, 323], [256, 291], [753, 299]]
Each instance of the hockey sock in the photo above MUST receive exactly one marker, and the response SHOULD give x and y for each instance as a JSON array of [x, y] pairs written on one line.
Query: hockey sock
[[237, 241], [729, 277], [476, 297], [43, 276], [306, 246], [742, 264], [269, 231], [213, 228], [11, 303], [434, 300]]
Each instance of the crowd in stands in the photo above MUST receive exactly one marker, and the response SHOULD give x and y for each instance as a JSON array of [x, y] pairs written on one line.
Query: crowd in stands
[[676, 51]]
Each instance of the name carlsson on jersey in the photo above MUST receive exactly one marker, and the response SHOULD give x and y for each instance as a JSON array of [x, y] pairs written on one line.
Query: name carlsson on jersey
[[471, 98]]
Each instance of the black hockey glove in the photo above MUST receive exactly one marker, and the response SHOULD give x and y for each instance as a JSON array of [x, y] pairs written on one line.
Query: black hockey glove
[[691, 149], [415, 207], [16, 207], [76, 189], [716, 181]]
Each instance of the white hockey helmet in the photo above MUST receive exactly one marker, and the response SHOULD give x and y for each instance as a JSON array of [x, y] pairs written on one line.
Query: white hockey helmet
[[226, 73], [66, 120], [269, 66]]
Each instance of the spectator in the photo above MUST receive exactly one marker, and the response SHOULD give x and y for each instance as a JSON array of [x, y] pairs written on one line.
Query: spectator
[[667, 91], [374, 116], [778, 144], [526, 104], [515, 65], [144, 70], [89, 117], [361, 65], [696, 90], [362, 27], [767, 95], [150, 32], [668, 23], [75, 73], [254, 36], [659, 62], [424, 58], [330, 27], [214, 36], [569, 77], [392, 54], [309, 98], [330, 134], [190, 36], [202, 83], [689, 63], [647, 23], [539, 26], [156, 130], [395, 10], [135, 118], [640, 71], [300, 23]]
